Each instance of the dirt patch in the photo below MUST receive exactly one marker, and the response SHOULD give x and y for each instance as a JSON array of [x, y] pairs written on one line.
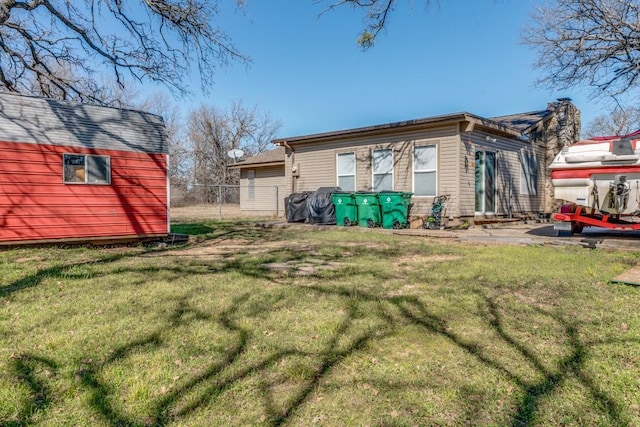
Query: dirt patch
[[225, 248], [428, 258], [409, 261], [218, 249], [23, 260], [307, 267]]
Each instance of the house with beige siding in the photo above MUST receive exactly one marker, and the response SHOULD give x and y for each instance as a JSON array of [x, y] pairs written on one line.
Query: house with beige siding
[[490, 167], [262, 183]]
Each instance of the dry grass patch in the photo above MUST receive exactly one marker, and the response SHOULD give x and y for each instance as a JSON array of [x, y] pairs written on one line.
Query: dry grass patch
[[224, 247], [204, 213], [307, 267]]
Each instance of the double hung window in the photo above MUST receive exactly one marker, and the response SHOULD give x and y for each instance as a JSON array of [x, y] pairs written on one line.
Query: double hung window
[[425, 170], [528, 173], [347, 171], [382, 166], [251, 184]]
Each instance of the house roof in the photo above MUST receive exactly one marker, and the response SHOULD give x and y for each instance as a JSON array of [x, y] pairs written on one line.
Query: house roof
[[46, 121], [407, 125], [523, 121], [268, 158]]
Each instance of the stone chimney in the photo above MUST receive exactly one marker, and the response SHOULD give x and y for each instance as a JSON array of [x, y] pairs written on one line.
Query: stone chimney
[[567, 124], [561, 130]]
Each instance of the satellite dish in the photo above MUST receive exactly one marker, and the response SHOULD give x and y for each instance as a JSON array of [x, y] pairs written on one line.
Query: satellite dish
[[235, 154]]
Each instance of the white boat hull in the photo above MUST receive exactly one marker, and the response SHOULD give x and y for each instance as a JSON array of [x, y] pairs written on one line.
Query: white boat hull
[[604, 176]]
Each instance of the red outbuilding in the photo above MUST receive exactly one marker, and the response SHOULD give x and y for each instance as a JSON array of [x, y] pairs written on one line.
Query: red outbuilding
[[75, 172]]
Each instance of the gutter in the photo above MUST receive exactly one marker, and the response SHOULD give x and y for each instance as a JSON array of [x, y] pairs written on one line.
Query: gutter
[[293, 162], [408, 125]]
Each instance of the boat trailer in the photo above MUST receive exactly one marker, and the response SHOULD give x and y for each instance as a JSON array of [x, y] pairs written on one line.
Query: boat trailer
[[571, 220]]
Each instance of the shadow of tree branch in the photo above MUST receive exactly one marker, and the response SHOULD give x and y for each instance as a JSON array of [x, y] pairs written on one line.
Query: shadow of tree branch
[[391, 313], [26, 368]]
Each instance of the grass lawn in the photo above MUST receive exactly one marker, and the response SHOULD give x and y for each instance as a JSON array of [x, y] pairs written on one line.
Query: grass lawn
[[303, 327]]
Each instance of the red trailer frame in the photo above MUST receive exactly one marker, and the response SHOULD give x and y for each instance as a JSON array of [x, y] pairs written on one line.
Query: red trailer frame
[[574, 221]]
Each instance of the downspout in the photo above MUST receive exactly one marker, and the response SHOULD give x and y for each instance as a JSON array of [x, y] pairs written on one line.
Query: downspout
[[293, 162]]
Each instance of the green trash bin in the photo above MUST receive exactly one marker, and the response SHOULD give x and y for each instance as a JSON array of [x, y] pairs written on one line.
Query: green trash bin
[[346, 209], [369, 215], [394, 206]]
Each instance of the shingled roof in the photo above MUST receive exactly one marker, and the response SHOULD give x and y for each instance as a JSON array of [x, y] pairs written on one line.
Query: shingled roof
[[47, 121], [515, 125], [271, 157], [399, 126], [523, 121]]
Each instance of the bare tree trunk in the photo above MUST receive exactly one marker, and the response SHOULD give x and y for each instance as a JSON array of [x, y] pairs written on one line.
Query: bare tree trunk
[[213, 134]]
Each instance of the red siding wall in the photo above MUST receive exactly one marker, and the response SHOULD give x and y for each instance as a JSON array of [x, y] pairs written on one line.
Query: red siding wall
[[35, 204]]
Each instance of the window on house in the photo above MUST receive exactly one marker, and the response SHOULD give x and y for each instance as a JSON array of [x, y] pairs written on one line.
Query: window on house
[[251, 180], [86, 169], [528, 173], [382, 166], [425, 161], [347, 171]]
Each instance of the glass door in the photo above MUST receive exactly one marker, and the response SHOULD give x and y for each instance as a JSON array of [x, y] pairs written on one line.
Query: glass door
[[485, 171]]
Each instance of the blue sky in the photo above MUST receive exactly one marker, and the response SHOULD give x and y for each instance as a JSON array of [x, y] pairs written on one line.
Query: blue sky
[[308, 72]]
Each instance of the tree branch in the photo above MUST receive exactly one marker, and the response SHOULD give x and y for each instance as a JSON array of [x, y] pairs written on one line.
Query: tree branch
[[72, 45], [590, 42]]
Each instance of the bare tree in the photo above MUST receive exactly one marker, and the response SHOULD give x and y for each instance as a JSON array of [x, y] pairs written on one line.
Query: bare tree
[[252, 129], [620, 121], [64, 48], [207, 131], [376, 15], [180, 161], [588, 42], [214, 132]]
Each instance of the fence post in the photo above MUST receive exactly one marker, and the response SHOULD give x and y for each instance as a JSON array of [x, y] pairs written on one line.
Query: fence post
[[220, 202], [277, 201]]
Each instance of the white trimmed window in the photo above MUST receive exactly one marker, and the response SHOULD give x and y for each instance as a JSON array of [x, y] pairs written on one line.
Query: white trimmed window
[[86, 169], [425, 161], [347, 171], [251, 184], [528, 173], [382, 166]]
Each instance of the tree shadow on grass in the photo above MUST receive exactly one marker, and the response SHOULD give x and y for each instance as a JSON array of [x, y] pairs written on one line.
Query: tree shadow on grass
[[56, 271], [63, 271], [572, 366], [392, 314], [198, 390], [33, 372]]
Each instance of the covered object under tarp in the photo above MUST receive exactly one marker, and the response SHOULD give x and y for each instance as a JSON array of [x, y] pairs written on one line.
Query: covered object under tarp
[[320, 205], [296, 207]]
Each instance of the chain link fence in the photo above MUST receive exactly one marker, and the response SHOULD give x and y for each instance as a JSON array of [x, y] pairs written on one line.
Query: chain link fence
[[198, 201]]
